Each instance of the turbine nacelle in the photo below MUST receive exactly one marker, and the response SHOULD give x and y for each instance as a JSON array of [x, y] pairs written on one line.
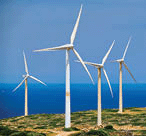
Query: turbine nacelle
[[100, 66], [119, 60], [27, 75], [69, 46]]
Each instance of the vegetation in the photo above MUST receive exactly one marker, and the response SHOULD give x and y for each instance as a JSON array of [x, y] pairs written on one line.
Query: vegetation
[[5, 131], [71, 129], [83, 123], [109, 127], [99, 132]]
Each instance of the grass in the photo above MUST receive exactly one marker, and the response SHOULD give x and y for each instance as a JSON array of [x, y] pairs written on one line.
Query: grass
[[85, 119]]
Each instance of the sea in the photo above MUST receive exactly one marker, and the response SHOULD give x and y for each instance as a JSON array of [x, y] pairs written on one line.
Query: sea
[[51, 98]]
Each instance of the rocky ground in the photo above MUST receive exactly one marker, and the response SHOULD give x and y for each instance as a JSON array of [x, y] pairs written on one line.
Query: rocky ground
[[131, 122]]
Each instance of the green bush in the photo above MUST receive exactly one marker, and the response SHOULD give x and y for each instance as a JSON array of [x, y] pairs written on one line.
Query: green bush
[[75, 129], [67, 129], [109, 127], [1, 127], [18, 134], [97, 133], [129, 108], [77, 122], [14, 120], [135, 110], [21, 127], [71, 129], [143, 132], [5, 131], [41, 127], [27, 133], [110, 110], [35, 134]]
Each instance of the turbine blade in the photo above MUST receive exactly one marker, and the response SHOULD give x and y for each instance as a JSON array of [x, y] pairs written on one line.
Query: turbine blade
[[127, 47], [19, 84], [129, 71], [37, 80], [105, 57], [75, 27], [63, 47], [78, 56], [89, 63], [26, 68], [114, 61], [108, 81]]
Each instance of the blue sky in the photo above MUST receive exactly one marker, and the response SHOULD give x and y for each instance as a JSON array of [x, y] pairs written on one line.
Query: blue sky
[[28, 25]]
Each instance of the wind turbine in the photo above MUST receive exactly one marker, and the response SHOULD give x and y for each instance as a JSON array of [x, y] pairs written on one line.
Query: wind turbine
[[69, 47], [99, 67], [121, 62], [25, 80]]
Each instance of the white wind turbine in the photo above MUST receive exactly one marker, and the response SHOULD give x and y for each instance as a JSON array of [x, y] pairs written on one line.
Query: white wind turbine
[[69, 47], [99, 67], [121, 62], [25, 80]]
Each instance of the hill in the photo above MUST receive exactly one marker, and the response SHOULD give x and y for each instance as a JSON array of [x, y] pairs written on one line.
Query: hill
[[132, 121]]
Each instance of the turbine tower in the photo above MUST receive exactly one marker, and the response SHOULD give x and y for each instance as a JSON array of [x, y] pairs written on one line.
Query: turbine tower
[[25, 80], [69, 47], [121, 62], [99, 67]]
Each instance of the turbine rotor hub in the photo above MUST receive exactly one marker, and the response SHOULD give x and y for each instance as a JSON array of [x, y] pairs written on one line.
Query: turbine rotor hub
[[100, 66], [122, 60], [70, 46]]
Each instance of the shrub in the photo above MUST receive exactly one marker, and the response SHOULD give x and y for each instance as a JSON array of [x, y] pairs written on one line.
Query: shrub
[[5, 131], [18, 134], [35, 134], [71, 129], [97, 132], [21, 127], [41, 127], [111, 110], [109, 127]]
